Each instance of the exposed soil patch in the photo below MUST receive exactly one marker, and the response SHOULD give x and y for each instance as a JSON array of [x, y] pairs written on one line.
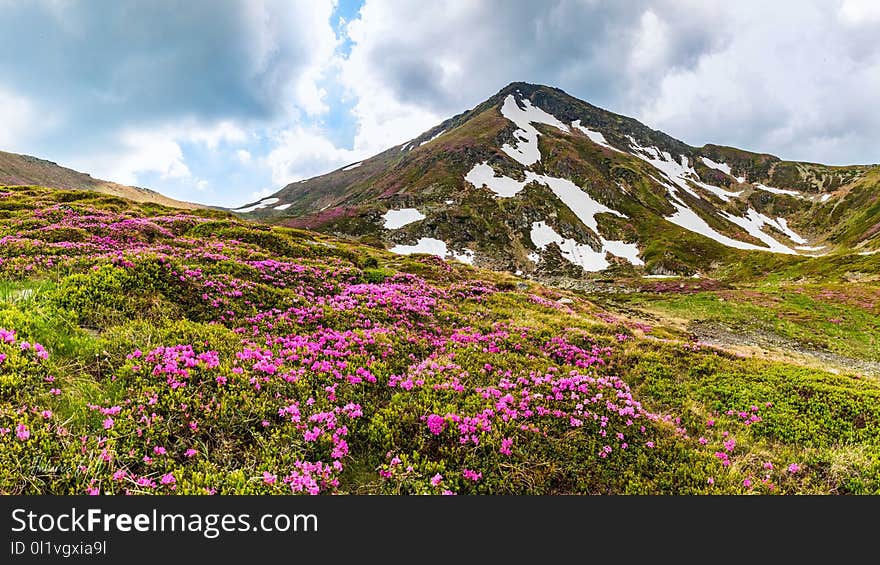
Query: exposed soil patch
[[767, 344]]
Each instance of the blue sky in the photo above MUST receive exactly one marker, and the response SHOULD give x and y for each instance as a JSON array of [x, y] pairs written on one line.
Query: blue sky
[[223, 101]]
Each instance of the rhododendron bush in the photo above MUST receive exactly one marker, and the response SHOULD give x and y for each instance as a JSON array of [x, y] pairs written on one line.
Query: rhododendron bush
[[150, 351]]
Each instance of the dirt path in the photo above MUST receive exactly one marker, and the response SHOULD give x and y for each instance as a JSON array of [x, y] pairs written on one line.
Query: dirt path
[[768, 345]]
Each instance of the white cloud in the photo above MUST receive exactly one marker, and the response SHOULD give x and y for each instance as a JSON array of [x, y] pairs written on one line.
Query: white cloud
[[260, 194], [860, 11], [18, 120], [243, 155], [797, 78], [212, 136], [651, 46], [158, 150], [300, 153], [133, 86], [281, 27], [141, 152], [791, 77], [799, 90]]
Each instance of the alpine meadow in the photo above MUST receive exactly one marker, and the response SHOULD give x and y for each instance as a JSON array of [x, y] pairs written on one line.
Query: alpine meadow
[[535, 296]]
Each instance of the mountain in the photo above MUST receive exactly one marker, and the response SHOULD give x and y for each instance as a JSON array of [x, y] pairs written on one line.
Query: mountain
[[536, 181], [18, 169]]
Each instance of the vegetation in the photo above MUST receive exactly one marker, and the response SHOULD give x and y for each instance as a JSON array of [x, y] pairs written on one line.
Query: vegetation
[[149, 351]]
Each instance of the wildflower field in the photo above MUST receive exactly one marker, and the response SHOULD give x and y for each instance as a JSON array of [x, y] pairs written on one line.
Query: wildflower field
[[146, 350]]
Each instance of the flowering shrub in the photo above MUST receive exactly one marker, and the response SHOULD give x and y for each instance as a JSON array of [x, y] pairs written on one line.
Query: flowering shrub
[[222, 357]]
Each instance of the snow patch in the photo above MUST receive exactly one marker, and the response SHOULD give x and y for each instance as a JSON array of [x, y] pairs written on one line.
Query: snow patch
[[354, 166], [433, 138], [766, 188], [395, 219], [679, 172], [825, 198], [581, 203], [576, 253], [247, 209], [783, 227], [525, 150], [284, 206], [723, 167], [427, 245], [688, 219], [432, 246], [482, 174], [580, 254], [449, 201], [595, 136], [261, 204], [628, 251], [753, 224], [467, 256]]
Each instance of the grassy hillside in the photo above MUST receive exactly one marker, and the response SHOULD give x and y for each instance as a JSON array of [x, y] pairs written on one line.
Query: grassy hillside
[[148, 350], [18, 169]]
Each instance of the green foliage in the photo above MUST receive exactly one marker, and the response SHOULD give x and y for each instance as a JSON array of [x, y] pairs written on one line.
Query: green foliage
[[197, 333]]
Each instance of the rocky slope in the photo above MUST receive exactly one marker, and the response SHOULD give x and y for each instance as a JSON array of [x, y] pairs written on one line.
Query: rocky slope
[[534, 181]]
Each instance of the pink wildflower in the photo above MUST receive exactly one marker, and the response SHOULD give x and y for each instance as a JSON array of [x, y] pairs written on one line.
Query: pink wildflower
[[436, 424], [505, 446]]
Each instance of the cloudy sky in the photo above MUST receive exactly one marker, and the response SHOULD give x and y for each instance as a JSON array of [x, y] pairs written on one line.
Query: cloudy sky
[[222, 101]]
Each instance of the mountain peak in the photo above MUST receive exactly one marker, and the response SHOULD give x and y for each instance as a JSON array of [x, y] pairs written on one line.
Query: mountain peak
[[534, 180], [526, 88]]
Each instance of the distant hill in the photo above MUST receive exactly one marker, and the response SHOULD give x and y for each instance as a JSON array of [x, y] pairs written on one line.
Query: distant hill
[[18, 169]]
